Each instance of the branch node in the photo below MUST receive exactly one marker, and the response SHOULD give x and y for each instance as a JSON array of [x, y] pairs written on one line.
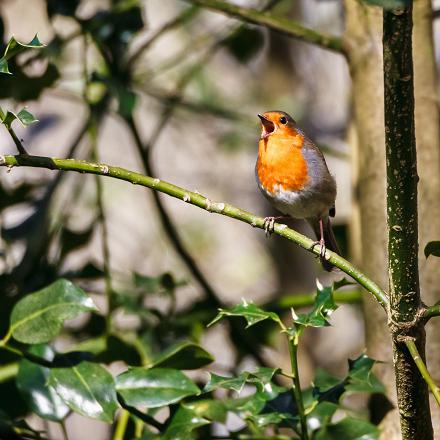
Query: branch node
[[186, 197]]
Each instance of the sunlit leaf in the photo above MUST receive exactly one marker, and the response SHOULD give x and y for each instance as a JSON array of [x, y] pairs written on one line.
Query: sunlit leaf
[[252, 313], [213, 410], [39, 316], [32, 382], [275, 418], [13, 48], [322, 309], [154, 387], [87, 388], [24, 116], [231, 383]]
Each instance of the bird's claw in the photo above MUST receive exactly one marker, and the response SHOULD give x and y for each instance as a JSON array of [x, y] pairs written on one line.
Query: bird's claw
[[269, 226], [322, 248]]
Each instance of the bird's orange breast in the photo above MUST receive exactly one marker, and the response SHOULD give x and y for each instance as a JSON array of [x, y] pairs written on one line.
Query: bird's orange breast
[[281, 164]]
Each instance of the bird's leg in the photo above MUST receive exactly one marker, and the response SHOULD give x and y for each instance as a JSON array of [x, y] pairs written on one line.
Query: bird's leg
[[269, 224], [321, 241]]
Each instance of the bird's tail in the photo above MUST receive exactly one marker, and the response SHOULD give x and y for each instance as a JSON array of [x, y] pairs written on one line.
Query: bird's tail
[[329, 238]]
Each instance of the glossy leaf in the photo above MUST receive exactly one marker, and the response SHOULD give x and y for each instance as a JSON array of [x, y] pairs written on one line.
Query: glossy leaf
[[231, 383], [24, 116], [183, 356], [154, 387], [13, 48], [275, 418], [261, 378], [252, 313], [322, 309], [87, 388], [361, 377], [432, 248], [38, 317], [32, 382], [349, 429], [322, 415], [182, 424]]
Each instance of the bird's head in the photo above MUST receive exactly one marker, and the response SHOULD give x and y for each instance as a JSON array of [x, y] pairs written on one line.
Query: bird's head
[[276, 123]]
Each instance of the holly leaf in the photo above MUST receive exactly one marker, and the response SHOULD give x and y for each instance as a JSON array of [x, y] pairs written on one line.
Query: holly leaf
[[13, 48], [230, 383], [361, 378], [322, 309], [24, 116], [252, 313]]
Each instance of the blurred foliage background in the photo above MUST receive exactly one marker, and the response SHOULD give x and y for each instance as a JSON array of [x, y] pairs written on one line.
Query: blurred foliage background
[[170, 90]]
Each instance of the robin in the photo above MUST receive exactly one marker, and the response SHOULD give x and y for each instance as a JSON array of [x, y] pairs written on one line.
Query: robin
[[292, 174]]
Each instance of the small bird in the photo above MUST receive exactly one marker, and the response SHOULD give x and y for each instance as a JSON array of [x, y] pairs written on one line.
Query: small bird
[[292, 174]]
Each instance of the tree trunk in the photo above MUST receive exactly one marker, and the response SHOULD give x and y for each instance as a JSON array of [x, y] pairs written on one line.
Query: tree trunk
[[428, 158], [364, 39]]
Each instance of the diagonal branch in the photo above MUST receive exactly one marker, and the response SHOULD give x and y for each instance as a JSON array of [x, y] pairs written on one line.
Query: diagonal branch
[[279, 24], [196, 199]]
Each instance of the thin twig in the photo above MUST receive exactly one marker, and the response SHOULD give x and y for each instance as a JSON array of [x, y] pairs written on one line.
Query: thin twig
[[293, 342], [283, 25], [121, 425], [432, 311], [435, 390]]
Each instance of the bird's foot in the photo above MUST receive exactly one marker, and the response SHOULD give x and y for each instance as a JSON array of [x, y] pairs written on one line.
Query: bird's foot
[[322, 248], [269, 225]]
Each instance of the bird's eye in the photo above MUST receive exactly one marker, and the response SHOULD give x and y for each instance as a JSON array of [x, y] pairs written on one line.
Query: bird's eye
[[283, 120]]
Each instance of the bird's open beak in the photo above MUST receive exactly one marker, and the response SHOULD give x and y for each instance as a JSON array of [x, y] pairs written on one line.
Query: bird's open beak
[[268, 127]]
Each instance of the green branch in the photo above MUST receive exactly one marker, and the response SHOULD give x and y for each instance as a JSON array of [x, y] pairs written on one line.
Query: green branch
[[432, 311], [435, 390], [195, 199], [279, 24]]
